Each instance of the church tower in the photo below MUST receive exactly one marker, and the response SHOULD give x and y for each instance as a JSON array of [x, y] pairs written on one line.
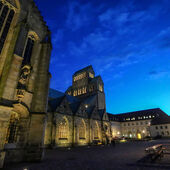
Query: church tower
[[85, 84]]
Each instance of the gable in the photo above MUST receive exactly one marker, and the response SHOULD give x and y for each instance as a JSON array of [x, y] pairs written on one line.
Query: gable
[[95, 114], [105, 117], [82, 111], [64, 107]]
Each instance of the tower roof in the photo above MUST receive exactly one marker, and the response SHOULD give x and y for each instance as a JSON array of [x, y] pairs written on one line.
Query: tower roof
[[88, 68]]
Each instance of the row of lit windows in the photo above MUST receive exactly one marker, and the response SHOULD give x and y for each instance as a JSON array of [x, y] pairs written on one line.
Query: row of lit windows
[[80, 91], [81, 76], [137, 123], [139, 118], [63, 130], [161, 127]]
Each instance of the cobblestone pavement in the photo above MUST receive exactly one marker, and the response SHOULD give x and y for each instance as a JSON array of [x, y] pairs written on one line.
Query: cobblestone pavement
[[122, 156]]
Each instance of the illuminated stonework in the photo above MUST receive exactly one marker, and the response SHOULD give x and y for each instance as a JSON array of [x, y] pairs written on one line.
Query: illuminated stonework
[[24, 79], [83, 107]]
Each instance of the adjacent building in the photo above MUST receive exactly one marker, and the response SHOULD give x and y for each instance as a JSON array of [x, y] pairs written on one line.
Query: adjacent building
[[25, 47], [78, 117], [139, 124]]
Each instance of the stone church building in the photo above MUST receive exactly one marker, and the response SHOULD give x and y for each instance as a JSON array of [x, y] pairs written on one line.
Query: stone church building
[[79, 116], [31, 117], [25, 48]]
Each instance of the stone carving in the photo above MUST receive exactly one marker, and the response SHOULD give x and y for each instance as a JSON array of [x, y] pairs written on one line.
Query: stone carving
[[23, 80]]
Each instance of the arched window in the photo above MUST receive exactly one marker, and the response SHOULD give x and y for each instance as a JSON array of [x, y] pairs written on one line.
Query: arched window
[[82, 130], [6, 16], [96, 131], [12, 129], [28, 49], [63, 130]]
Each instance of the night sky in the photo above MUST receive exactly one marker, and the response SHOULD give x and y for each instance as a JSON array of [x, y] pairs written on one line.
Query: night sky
[[126, 41]]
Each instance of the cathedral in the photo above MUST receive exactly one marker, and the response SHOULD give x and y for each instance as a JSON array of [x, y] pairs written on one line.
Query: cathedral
[[78, 116], [25, 49]]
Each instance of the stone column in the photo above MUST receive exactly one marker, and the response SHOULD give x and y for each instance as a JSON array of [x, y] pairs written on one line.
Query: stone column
[[35, 147], [5, 113], [34, 63], [40, 96]]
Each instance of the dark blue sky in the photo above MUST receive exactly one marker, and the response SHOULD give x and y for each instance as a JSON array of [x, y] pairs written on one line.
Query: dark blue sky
[[126, 41]]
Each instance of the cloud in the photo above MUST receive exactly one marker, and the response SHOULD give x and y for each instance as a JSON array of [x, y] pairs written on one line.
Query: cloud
[[78, 15], [58, 37], [159, 74]]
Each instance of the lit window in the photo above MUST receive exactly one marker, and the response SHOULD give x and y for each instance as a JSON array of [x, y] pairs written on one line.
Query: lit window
[[91, 75], [12, 129], [85, 89], [82, 130], [63, 130], [96, 131], [100, 88]]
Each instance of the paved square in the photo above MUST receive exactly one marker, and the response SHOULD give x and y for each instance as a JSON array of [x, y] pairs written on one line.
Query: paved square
[[121, 156]]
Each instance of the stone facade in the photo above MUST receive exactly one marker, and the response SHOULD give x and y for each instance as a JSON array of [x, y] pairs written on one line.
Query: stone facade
[[25, 49]]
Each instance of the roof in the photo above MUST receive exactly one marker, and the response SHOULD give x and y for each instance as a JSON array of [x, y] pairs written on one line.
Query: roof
[[96, 79], [90, 100], [101, 113], [54, 103], [138, 115], [74, 106], [161, 120], [53, 94], [88, 68]]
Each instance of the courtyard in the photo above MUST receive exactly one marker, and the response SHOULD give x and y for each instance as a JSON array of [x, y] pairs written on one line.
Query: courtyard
[[121, 156]]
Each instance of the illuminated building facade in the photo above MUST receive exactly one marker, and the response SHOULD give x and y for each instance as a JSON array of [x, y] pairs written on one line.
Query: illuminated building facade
[[25, 49], [138, 124], [79, 117]]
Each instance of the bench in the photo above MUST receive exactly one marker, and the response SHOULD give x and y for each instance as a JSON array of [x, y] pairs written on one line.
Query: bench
[[155, 151]]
